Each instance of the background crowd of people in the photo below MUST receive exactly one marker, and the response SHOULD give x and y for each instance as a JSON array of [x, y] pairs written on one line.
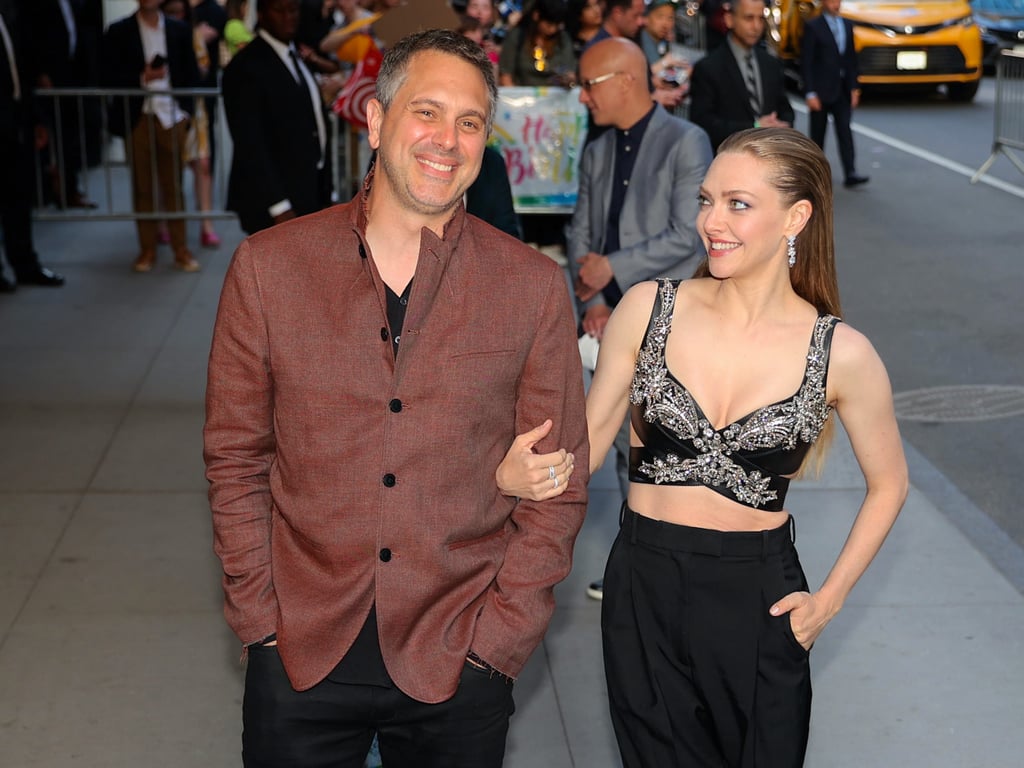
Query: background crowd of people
[[325, 45], [63, 44]]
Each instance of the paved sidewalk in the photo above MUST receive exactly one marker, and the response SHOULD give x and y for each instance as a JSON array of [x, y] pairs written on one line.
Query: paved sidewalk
[[113, 650]]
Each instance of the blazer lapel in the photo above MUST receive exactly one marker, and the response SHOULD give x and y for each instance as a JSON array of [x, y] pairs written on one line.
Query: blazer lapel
[[606, 167], [293, 100], [136, 42], [643, 167], [275, 68], [768, 84], [738, 83], [649, 159], [830, 35]]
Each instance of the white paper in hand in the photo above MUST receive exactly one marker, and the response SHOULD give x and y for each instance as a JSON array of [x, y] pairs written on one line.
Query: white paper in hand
[[588, 351]]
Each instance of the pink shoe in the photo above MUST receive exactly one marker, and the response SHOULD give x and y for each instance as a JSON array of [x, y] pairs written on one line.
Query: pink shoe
[[209, 240]]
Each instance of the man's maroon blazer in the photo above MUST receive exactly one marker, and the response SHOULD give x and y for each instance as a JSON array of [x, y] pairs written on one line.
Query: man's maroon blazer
[[342, 478]]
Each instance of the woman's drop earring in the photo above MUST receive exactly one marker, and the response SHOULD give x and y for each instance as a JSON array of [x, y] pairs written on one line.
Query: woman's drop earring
[[791, 250]]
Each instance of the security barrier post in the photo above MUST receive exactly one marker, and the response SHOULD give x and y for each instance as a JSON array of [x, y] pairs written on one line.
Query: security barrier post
[[1008, 133]]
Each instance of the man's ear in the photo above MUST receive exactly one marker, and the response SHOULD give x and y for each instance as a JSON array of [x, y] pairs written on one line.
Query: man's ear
[[374, 118]]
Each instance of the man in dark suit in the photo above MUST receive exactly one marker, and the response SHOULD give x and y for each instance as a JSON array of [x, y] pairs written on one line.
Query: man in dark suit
[[149, 49], [738, 85], [17, 152], [828, 61], [61, 53], [275, 114]]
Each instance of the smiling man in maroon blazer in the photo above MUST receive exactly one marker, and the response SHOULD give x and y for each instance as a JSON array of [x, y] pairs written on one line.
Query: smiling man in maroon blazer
[[371, 365]]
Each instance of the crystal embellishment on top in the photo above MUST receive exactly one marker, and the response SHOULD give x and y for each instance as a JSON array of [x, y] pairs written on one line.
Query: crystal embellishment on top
[[664, 401]]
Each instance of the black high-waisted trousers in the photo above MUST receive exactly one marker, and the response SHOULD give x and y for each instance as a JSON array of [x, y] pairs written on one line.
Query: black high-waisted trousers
[[699, 673]]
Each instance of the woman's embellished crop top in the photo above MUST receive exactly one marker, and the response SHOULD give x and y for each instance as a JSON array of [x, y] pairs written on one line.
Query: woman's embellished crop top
[[745, 461]]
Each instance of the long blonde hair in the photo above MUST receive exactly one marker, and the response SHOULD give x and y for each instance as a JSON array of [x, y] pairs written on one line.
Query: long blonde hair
[[798, 170]]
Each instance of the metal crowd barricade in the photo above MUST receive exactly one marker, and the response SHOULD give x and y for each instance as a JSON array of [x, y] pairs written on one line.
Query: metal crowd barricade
[[113, 170], [112, 174], [1009, 114]]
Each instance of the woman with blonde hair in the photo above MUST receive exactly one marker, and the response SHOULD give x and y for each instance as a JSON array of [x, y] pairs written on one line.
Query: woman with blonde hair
[[730, 380]]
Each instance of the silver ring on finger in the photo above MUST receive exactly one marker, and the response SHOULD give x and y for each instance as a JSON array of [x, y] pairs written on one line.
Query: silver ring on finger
[[551, 473], [556, 480]]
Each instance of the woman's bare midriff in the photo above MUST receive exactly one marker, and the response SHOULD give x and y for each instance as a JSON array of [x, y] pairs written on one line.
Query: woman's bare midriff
[[700, 507]]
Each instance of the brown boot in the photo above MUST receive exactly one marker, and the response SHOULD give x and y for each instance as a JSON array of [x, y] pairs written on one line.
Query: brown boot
[[145, 261], [185, 261]]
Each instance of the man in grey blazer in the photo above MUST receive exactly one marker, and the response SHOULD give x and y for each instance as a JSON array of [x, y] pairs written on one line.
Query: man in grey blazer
[[637, 206]]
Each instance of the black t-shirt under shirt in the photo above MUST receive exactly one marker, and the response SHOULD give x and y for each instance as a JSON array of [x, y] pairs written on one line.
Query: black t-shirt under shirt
[[364, 664]]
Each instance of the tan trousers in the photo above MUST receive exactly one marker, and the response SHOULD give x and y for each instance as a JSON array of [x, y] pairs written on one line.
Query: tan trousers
[[157, 159]]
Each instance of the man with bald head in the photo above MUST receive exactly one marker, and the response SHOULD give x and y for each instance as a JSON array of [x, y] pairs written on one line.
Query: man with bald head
[[625, 19], [623, 232]]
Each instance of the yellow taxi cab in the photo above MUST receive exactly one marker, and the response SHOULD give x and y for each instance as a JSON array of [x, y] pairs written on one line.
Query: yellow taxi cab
[[898, 42]]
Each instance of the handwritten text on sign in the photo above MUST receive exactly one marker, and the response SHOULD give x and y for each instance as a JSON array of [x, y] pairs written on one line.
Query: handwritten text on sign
[[540, 133]]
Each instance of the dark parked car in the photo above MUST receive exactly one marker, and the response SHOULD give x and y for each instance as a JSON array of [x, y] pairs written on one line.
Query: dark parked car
[[1002, 26]]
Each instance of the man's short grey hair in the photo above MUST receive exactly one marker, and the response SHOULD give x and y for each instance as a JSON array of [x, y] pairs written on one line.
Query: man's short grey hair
[[395, 66]]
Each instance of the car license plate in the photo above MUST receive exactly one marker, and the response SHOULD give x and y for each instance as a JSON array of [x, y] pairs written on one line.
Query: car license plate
[[911, 60]]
